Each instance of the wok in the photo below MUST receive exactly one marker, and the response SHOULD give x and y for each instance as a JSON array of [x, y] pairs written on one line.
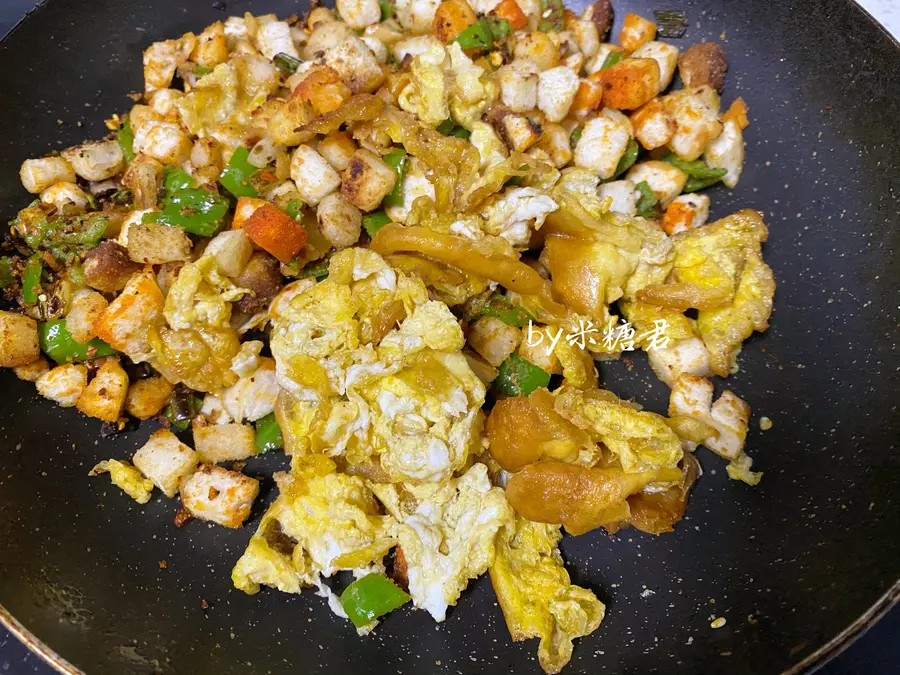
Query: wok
[[813, 551]]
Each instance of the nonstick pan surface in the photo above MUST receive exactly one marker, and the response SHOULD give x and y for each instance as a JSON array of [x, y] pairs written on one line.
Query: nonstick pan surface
[[790, 564]]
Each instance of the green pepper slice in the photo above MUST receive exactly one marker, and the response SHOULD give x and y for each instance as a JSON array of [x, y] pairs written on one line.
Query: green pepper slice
[[125, 136], [612, 59], [57, 343], [518, 376], [236, 176], [499, 307], [372, 222], [629, 158], [398, 160], [648, 203], [268, 434], [370, 597], [31, 281], [294, 208]]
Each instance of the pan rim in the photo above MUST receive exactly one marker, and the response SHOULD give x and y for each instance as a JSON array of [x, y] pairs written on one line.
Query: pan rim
[[809, 665], [828, 651]]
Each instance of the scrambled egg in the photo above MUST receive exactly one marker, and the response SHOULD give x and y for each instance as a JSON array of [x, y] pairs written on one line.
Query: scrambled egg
[[322, 522], [126, 477], [447, 532], [537, 597], [642, 441], [359, 388]]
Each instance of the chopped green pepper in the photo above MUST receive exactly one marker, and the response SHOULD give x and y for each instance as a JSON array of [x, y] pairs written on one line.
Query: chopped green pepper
[[575, 137], [696, 169], [176, 178], [648, 203], [286, 62], [57, 343], [200, 71], [7, 272], [125, 136], [693, 184], [445, 127], [629, 158], [483, 33], [31, 281], [553, 16], [519, 377], [183, 407], [268, 434], [370, 597], [398, 160], [63, 236], [387, 9], [294, 208], [374, 221], [196, 211], [499, 307], [236, 176], [612, 59], [317, 270]]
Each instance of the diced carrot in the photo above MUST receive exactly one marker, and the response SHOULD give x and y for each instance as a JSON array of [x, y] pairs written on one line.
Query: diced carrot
[[323, 89], [630, 83], [636, 31], [737, 112], [510, 10], [451, 18], [276, 232], [587, 99]]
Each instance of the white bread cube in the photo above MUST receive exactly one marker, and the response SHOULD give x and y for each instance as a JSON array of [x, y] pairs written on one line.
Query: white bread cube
[[63, 385], [39, 174], [274, 38], [147, 397], [66, 197], [32, 371], [224, 442], [556, 91], [665, 180], [87, 306], [414, 46], [555, 142], [246, 207], [493, 339], [519, 85], [161, 60], [339, 221], [603, 142], [359, 13], [212, 46], [337, 147], [96, 160], [125, 323], [356, 64], [155, 244], [221, 496], [666, 57], [727, 152], [232, 250], [624, 196], [696, 116], [313, 175], [367, 180], [164, 102], [653, 125], [687, 356], [18, 340], [165, 460], [519, 132], [104, 397]]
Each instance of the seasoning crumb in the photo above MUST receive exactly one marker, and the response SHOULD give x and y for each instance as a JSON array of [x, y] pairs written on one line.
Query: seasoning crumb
[[162, 564], [718, 623], [765, 423], [204, 604]]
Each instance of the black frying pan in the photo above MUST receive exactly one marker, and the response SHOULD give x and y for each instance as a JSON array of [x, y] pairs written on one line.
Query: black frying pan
[[812, 551]]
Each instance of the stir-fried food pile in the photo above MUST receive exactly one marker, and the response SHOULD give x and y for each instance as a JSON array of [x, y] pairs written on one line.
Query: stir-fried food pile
[[393, 239]]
